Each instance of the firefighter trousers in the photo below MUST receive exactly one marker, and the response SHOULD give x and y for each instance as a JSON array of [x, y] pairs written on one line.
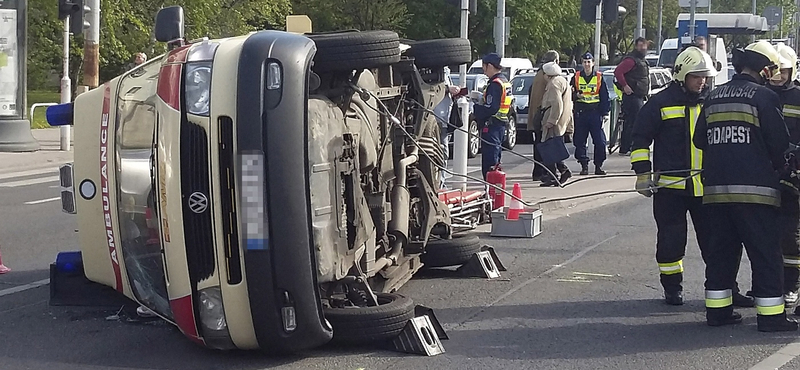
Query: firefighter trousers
[[669, 211], [789, 222], [755, 226]]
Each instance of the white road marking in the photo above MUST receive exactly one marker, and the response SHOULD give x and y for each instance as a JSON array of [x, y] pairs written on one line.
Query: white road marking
[[43, 201], [780, 358], [42, 180], [25, 287], [41, 171], [531, 280]]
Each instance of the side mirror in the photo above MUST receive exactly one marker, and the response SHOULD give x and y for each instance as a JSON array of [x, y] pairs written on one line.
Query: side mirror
[[718, 66], [169, 24]]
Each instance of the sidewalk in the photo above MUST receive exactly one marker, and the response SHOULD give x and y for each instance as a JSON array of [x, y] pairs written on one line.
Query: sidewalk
[[49, 154]]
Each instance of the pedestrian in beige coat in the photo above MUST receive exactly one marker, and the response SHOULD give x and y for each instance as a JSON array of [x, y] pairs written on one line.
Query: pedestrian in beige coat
[[557, 117], [534, 119]]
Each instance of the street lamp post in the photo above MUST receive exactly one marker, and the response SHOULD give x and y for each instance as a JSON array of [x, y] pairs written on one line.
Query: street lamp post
[[15, 128]]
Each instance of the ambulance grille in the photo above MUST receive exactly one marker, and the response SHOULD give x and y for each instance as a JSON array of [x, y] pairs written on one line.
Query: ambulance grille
[[230, 222], [196, 200]]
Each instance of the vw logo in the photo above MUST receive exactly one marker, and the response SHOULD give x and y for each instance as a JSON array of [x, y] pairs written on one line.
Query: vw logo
[[198, 202]]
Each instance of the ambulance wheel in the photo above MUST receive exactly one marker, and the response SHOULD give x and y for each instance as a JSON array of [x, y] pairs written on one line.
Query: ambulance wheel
[[354, 50], [355, 325], [450, 252], [474, 142], [440, 52]]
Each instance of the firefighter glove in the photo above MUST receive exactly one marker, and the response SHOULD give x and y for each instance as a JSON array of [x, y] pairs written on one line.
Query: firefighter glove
[[645, 185]]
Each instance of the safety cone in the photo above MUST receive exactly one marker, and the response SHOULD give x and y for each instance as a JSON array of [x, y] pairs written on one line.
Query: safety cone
[[515, 207], [3, 268]]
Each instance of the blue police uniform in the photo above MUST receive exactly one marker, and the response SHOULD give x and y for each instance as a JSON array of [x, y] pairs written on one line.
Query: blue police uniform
[[591, 104], [491, 117]]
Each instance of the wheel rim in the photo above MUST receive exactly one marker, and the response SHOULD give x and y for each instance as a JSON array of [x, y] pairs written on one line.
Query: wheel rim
[[511, 131], [474, 138]]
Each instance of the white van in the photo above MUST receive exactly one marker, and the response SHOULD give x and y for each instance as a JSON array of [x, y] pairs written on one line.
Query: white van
[[511, 66], [716, 48]]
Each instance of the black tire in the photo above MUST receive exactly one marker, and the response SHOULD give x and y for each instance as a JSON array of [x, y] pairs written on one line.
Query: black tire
[[450, 252], [371, 324], [474, 140], [441, 52], [510, 139], [353, 50]]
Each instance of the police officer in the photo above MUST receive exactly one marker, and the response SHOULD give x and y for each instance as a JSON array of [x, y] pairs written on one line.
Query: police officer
[[591, 105], [491, 113], [743, 137], [789, 213]]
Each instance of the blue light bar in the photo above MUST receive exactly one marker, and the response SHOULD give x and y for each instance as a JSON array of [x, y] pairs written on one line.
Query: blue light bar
[[60, 114], [69, 262]]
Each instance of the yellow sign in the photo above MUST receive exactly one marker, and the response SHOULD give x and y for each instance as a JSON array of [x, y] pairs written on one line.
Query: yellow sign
[[298, 24]]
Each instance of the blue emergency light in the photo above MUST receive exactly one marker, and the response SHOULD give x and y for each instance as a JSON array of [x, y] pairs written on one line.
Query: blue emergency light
[[69, 262], [60, 114]]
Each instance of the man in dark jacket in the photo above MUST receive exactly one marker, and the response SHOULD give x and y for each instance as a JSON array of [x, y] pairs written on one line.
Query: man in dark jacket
[[633, 76], [590, 95], [789, 213], [743, 137]]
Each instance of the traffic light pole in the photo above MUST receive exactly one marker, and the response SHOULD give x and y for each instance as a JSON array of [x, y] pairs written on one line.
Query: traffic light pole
[[66, 87], [460, 137], [598, 21], [91, 46]]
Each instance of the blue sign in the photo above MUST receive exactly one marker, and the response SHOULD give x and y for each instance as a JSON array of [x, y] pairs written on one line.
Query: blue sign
[[700, 29]]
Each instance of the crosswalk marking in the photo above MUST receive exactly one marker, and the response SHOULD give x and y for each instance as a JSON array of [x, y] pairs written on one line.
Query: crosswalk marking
[[41, 180]]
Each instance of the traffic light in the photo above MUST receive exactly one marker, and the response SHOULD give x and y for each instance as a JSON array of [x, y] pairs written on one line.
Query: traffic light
[[76, 10], [610, 10], [588, 10]]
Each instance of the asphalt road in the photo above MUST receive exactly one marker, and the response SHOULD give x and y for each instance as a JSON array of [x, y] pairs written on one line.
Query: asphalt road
[[582, 295]]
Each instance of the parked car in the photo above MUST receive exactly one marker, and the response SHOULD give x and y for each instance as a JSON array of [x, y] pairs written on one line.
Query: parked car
[[240, 188], [478, 82], [511, 66]]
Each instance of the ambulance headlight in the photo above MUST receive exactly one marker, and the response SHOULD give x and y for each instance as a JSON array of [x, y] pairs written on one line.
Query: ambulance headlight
[[197, 82]]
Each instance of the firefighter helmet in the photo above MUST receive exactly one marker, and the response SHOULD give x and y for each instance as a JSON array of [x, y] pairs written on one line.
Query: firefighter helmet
[[695, 62], [788, 58], [762, 57]]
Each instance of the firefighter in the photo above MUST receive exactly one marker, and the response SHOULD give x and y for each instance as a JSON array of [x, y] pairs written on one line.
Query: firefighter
[[668, 119], [491, 113], [591, 105], [743, 137], [789, 213]]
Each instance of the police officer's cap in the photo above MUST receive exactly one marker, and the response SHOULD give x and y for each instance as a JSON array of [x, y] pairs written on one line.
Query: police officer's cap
[[493, 59], [588, 56]]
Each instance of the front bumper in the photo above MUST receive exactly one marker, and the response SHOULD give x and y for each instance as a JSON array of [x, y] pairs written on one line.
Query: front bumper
[[281, 272]]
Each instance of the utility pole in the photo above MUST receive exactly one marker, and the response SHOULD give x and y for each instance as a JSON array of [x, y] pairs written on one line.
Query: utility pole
[[639, 15], [66, 86], [500, 28], [692, 10], [460, 137], [660, 20], [598, 18], [753, 37], [91, 46]]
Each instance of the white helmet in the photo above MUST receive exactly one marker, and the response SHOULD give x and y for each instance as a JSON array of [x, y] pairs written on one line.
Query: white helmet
[[788, 58], [762, 57], [695, 62]]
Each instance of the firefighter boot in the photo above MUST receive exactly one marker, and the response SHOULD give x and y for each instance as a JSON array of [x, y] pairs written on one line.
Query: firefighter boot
[[722, 316], [674, 298], [740, 300], [773, 323], [598, 170], [584, 169]]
